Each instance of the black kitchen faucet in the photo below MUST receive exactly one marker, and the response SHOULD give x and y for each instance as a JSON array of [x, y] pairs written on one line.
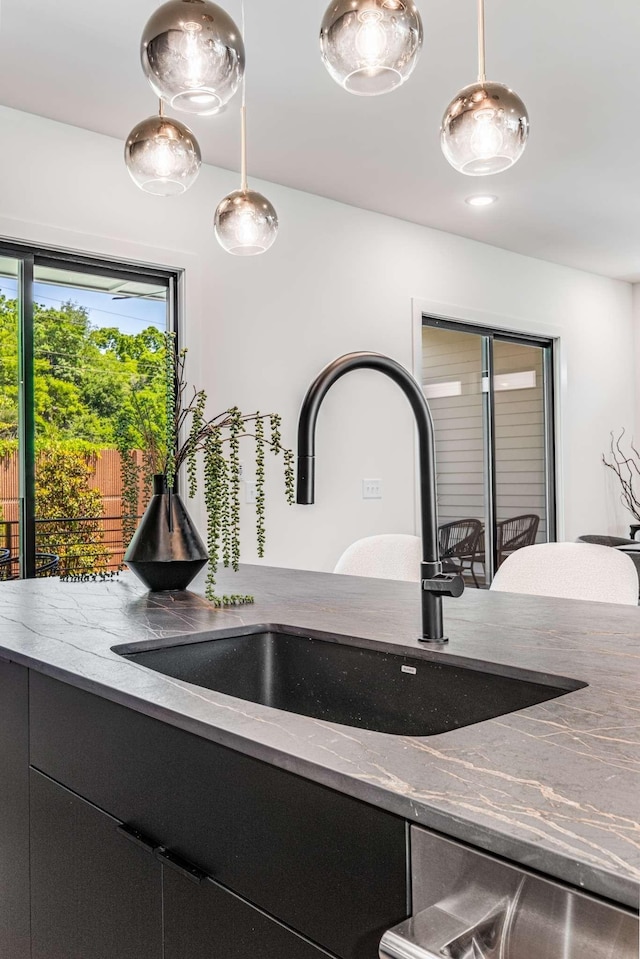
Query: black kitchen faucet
[[434, 583]]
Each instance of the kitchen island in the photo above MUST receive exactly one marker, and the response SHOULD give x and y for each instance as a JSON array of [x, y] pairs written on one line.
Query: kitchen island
[[553, 787]]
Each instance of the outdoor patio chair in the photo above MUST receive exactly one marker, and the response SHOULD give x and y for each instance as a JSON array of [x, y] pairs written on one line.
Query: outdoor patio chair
[[458, 545], [511, 534], [515, 533], [46, 565]]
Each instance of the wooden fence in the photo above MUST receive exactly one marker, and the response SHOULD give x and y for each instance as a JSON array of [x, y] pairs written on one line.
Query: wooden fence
[[105, 477]]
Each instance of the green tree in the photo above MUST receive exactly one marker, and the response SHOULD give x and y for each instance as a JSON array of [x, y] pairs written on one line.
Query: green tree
[[95, 388], [8, 372], [88, 380], [63, 492]]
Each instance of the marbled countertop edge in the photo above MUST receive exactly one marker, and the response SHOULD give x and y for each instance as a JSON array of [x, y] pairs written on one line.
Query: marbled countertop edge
[[554, 787]]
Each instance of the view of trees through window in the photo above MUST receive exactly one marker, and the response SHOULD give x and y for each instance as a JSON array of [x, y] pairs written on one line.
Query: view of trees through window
[[98, 405]]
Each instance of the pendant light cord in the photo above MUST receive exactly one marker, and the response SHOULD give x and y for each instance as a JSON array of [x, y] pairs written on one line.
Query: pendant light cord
[[243, 119], [481, 50]]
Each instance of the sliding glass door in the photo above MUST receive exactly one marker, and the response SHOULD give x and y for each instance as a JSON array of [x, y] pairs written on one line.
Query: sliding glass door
[[519, 432], [82, 346], [12, 418], [452, 381], [491, 396]]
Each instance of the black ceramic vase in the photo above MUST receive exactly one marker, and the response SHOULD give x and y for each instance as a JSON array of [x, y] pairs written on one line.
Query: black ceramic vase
[[166, 551]]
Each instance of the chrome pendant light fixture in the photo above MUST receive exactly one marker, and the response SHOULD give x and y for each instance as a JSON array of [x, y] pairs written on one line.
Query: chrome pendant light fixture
[[370, 47], [162, 155], [245, 222], [192, 54], [486, 126]]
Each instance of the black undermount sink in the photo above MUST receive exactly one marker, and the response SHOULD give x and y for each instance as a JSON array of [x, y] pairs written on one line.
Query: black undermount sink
[[345, 680]]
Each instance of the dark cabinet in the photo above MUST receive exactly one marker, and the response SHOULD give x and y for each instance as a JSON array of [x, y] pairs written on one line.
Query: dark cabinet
[[222, 854], [95, 893], [206, 920], [14, 812], [330, 867], [103, 891]]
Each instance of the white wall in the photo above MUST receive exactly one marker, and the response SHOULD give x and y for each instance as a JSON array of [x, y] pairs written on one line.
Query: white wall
[[636, 329], [338, 279]]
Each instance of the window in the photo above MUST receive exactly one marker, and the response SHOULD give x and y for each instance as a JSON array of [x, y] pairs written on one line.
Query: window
[[82, 346], [491, 396]]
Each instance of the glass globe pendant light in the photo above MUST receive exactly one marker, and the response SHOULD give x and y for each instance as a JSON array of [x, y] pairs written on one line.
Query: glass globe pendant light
[[370, 46], [162, 155], [245, 222], [486, 125], [192, 54]]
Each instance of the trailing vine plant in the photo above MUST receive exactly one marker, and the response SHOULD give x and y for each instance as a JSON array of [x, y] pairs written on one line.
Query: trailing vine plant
[[217, 440], [130, 471]]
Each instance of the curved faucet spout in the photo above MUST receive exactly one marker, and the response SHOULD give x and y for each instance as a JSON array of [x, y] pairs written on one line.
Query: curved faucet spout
[[434, 582], [307, 432]]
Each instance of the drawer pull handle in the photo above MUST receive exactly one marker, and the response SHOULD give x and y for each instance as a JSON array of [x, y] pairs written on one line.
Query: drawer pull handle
[[138, 839], [186, 869]]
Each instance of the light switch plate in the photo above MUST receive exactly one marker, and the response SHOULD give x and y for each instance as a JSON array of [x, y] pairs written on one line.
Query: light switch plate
[[372, 489]]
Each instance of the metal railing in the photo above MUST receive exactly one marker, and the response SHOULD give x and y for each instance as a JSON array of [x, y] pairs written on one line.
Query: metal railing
[[84, 545]]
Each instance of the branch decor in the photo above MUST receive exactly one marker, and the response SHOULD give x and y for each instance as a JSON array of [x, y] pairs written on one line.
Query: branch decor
[[626, 467], [217, 440]]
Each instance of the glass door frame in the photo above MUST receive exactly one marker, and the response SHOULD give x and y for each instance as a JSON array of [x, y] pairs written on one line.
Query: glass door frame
[[548, 345], [28, 258]]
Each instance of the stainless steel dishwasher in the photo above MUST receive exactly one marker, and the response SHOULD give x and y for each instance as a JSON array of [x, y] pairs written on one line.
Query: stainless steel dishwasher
[[468, 905]]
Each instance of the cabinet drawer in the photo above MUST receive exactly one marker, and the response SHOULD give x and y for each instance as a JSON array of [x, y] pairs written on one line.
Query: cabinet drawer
[[328, 865], [208, 920], [94, 895]]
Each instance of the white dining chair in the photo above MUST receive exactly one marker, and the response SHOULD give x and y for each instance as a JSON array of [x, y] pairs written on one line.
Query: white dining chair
[[387, 556], [570, 571]]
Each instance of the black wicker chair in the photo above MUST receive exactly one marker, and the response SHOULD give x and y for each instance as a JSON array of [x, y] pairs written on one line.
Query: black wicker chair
[[458, 544], [511, 534], [46, 565], [515, 533]]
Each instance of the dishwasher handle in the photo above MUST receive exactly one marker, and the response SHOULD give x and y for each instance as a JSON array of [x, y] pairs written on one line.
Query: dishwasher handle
[[436, 933], [470, 905]]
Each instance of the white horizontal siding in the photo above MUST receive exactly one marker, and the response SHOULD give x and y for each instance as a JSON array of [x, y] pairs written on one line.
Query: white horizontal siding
[[519, 428]]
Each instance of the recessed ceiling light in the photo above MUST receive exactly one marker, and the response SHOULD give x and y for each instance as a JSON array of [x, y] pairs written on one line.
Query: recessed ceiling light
[[483, 200]]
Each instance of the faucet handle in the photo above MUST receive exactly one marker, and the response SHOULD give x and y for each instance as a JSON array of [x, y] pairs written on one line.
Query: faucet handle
[[444, 584]]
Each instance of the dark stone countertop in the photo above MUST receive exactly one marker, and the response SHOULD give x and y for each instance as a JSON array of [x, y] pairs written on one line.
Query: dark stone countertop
[[554, 787]]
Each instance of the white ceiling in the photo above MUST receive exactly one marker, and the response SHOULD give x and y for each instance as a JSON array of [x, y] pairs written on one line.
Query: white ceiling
[[574, 197]]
